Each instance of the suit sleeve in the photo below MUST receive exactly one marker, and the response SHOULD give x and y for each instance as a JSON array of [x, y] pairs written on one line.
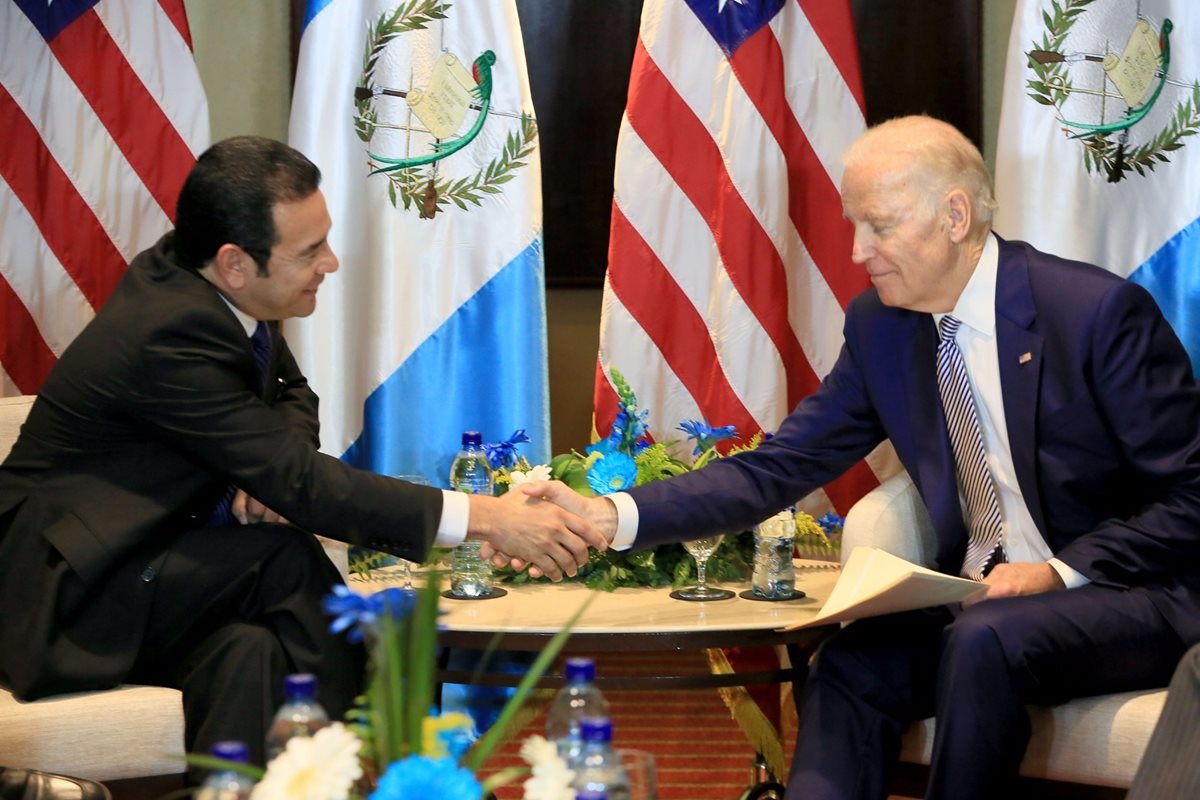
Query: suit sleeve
[[824, 436], [1144, 387], [194, 394]]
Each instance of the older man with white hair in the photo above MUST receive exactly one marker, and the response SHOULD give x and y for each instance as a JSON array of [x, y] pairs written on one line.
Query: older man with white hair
[[1048, 416]]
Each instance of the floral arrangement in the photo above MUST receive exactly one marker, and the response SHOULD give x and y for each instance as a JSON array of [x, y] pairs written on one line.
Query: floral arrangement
[[623, 459], [392, 746], [626, 458]]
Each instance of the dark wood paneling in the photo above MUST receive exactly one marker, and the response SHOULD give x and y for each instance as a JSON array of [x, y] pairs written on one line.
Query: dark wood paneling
[[579, 53], [923, 57]]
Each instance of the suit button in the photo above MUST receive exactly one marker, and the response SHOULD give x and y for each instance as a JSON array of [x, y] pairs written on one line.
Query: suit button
[[148, 574]]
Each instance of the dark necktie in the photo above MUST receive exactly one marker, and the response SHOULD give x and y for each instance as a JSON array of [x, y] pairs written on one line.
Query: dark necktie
[[984, 546], [260, 343]]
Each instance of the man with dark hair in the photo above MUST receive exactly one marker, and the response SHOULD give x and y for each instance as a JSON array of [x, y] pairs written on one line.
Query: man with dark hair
[[143, 510], [1048, 416]]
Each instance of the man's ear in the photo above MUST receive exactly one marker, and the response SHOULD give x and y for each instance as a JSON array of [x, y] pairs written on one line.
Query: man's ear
[[233, 266], [958, 215]]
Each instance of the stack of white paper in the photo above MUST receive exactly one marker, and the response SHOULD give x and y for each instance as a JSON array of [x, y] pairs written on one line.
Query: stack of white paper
[[875, 582]]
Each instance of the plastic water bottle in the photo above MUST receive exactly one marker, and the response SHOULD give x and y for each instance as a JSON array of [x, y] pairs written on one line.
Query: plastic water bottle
[[300, 714], [598, 768], [471, 576], [225, 784], [577, 699], [471, 472]]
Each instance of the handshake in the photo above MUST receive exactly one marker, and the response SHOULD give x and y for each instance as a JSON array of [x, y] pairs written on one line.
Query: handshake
[[544, 525]]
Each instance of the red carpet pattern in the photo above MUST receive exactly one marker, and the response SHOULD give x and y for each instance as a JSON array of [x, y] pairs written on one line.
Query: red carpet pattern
[[700, 752]]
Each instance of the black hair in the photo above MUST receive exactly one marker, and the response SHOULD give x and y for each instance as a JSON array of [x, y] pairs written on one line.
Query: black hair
[[230, 194]]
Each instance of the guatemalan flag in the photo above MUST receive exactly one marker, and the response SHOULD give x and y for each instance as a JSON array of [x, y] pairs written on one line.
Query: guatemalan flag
[[434, 325], [102, 115], [1128, 201], [729, 265]]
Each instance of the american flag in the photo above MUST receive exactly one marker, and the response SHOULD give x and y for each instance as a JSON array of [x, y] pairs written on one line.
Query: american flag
[[729, 259], [102, 114]]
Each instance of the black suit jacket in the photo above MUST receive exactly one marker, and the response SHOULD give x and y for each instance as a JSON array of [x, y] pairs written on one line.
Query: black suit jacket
[[150, 414], [1103, 419]]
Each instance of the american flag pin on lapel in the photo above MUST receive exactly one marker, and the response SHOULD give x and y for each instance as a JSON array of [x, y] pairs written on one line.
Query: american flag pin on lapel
[[1025, 358]]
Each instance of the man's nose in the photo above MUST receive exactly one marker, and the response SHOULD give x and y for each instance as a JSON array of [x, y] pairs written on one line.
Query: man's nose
[[330, 263], [859, 251]]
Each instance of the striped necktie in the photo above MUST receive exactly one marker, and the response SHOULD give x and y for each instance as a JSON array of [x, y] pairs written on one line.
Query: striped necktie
[[260, 344], [984, 546]]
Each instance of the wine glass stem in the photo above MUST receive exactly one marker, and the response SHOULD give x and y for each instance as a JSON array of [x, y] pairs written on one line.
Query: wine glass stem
[[407, 574], [701, 567]]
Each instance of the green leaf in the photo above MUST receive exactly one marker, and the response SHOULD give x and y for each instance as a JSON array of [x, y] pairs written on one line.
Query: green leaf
[[212, 762]]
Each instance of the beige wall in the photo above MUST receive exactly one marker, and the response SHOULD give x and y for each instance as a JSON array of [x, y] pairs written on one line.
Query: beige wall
[[245, 72], [243, 51]]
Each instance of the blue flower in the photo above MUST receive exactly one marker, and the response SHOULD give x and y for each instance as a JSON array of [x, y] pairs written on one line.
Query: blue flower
[[831, 523], [629, 424], [504, 454], [614, 472], [704, 434], [351, 609], [418, 776], [605, 446]]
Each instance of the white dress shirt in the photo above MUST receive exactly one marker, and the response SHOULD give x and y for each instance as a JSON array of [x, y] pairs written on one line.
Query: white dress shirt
[[452, 527], [976, 338]]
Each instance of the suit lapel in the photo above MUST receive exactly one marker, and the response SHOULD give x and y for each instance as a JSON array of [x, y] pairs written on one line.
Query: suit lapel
[[1020, 352]]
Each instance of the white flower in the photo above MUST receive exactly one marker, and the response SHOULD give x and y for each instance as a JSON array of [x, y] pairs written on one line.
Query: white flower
[[551, 779], [321, 767], [539, 473]]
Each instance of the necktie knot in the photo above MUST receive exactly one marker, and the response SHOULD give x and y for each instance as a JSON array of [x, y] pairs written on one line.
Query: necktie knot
[[948, 327]]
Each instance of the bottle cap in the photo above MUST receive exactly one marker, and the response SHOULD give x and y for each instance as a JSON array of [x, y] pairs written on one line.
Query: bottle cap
[[472, 438], [231, 751], [579, 670], [300, 686], [595, 729]]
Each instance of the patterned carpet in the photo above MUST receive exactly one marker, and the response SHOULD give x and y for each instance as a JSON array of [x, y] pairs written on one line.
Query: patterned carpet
[[700, 752]]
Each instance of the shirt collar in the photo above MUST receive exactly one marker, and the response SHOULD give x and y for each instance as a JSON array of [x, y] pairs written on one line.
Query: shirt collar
[[249, 323], [976, 306]]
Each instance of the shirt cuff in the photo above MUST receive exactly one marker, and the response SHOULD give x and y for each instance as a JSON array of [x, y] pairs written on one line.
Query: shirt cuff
[[1072, 578], [627, 521], [452, 528]]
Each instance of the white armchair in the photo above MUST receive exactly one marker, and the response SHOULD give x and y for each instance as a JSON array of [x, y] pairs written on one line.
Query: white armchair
[[127, 732], [1098, 741]]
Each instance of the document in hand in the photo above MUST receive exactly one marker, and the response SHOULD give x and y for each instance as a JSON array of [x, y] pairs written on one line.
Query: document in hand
[[875, 582]]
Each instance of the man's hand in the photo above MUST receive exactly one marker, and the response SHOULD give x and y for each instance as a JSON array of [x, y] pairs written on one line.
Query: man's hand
[[1011, 580], [521, 527], [597, 510], [247, 510]]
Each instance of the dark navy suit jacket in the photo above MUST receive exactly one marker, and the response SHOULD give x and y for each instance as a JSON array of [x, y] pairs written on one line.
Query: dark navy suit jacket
[[1103, 419]]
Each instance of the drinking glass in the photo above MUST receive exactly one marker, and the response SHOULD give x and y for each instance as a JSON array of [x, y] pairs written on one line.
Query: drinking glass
[[639, 766], [419, 480], [701, 550]]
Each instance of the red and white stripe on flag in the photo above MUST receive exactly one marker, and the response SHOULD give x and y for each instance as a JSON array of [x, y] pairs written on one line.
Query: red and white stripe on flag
[[102, 114], [729, 260]]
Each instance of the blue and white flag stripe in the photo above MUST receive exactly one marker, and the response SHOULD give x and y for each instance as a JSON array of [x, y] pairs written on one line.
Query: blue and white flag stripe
[[1145, 227], [430, 327]]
